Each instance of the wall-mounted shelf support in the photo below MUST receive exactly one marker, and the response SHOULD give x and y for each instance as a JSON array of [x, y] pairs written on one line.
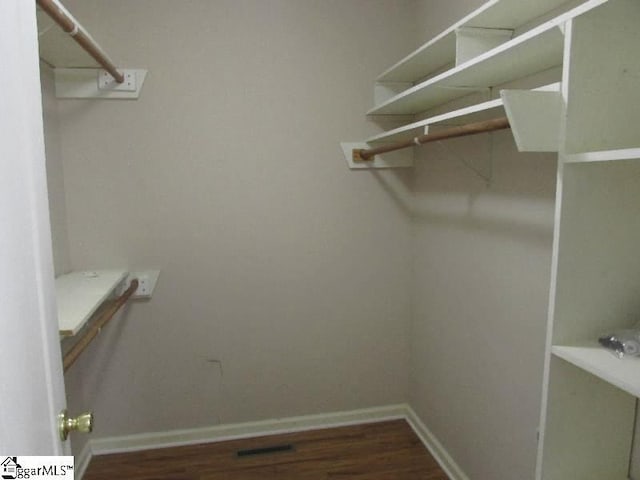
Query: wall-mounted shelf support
[[147, 280], [481, 163], [384, 91], [399, 159], [472, 42], [96, 83], [535, 118]]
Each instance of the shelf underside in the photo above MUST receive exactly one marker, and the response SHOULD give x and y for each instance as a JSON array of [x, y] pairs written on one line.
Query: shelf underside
[[79, 294], [623, 373]]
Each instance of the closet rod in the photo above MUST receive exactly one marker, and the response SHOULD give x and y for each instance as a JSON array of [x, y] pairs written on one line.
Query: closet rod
[[364, 155], [63, 18], [105, 316]]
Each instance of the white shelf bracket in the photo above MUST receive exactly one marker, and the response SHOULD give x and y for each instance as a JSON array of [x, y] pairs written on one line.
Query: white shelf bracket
[[399, 159], [472, 42], [147, 280], [107, 83], [481, 165], [97, 83], [535, 118], [383, 91]]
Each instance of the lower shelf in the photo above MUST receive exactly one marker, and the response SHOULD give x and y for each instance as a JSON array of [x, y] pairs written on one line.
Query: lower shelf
[[623, 373], [79, 294]]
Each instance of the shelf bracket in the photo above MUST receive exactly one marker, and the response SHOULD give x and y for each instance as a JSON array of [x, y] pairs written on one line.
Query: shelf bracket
[[97, 83], [398, 159], [535, 118], [482, 165], [383, 91], [473, 41]]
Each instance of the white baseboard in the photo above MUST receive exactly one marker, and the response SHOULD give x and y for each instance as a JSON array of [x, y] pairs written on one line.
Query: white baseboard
[[450, 467], [132, 443]]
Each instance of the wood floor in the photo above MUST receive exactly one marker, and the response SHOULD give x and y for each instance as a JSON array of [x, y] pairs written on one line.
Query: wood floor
[[379, 451]]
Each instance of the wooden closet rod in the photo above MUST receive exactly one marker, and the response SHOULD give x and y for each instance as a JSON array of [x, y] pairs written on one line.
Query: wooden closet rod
[[69, 25], [364, 155], [107, 314]]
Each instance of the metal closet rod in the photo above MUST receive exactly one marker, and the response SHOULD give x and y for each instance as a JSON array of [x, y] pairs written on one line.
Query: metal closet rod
[[70, 26], [364, 155], [106, 315]]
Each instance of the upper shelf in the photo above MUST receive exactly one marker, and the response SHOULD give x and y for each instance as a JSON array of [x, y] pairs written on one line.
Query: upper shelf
[[537, 50], [441, 50], [79, 294], [533, 52]]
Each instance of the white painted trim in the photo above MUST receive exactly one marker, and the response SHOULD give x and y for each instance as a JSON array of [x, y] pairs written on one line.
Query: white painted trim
[[218, 433], [81, 461], [437, 450]]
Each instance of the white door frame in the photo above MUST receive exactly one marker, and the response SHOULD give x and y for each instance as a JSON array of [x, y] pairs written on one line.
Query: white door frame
[[31, 378]]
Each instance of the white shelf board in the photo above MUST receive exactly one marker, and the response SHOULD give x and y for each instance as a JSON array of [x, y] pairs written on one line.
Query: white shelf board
[[595, 359], [534, 51], [515, 59], [535, 119], [412, 130], [79, 294], [603, 156], [472, 113], [441, 50]]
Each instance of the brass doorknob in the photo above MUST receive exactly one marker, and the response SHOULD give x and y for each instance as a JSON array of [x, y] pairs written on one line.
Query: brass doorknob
[[82, 423]]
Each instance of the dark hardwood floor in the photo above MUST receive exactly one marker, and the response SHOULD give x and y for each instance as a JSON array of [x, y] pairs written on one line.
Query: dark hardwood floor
[[379, 451]]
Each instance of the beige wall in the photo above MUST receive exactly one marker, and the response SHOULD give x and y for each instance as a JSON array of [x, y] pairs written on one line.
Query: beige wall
[[482, 266], [310, 284], [277, 262], [482, 269], [434, 16]]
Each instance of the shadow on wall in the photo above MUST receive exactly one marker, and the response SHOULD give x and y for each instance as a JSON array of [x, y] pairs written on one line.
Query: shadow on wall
[[478, 183]]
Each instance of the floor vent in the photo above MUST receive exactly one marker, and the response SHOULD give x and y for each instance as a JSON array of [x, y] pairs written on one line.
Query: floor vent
[[264, 450]]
